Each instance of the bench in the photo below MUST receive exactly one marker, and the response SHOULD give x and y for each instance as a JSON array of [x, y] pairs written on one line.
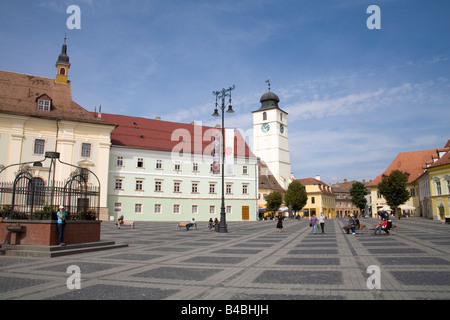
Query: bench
[[183, 224], [125, 223], [388, 230]]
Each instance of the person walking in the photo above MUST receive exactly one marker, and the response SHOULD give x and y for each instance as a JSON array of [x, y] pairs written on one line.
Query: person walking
[[322, 222], [280, 222], [61, 224], [314, 223]]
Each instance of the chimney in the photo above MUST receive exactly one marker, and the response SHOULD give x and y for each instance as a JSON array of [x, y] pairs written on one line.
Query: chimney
[[317, 177]]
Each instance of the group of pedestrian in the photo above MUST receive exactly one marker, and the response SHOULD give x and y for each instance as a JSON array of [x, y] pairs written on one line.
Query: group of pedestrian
[[317, 224]]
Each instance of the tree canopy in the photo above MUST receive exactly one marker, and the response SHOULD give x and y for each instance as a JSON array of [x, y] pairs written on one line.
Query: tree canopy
[[393, 189], [296, 196], [358, 192], [273, 201]]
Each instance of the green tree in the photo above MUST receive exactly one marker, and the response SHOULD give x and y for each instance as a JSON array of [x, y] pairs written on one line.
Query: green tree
[[274, 201], [393, 189], [358, 192], [296, 196]]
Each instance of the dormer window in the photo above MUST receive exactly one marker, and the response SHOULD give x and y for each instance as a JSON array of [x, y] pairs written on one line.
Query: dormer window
[[44, 102], [44, 105]]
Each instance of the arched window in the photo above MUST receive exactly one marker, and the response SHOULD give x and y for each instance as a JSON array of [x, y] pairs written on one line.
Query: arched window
[[264, 116], [62, 71]]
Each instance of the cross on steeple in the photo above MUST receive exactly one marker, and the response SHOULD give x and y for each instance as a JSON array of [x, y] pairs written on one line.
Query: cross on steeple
[[268, 82]]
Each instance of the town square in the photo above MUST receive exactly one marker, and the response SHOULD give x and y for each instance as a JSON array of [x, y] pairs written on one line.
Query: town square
[[231, 152]]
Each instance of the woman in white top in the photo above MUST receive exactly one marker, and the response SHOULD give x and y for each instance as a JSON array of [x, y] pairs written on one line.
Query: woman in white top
[[322, 222]]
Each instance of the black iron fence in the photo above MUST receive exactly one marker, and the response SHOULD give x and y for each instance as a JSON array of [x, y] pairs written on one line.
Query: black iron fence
[[31, 197]]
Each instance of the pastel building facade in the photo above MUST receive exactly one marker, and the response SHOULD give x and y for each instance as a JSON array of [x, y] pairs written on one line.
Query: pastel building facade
[[163, 171]]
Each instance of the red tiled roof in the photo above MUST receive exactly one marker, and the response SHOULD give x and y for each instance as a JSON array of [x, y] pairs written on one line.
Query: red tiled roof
[[322, 185], [409, 162], [19, 94], [445, 159], [162, 135]]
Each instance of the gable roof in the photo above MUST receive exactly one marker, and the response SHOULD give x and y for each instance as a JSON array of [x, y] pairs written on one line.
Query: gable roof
[[152, 134], [19, 93], [409, 162]]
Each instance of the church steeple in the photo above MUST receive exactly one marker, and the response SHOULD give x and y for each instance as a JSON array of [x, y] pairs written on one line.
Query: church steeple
[[62, 65]]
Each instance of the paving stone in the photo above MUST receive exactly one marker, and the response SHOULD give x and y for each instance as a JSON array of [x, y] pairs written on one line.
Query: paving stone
[[300, 277]]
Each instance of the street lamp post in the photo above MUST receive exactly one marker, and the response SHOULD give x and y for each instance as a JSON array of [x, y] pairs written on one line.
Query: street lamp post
[[222, 94]]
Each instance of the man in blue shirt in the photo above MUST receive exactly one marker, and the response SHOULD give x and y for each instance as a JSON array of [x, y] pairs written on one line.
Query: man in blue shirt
[[61, 224]]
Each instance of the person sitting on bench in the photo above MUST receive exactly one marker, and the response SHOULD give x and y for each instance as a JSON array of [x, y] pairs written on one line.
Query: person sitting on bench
[[381, 226], [190, 224], [388, 226], [119, 221]]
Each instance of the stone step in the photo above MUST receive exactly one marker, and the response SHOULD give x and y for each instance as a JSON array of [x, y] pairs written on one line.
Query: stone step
[[57, 251]]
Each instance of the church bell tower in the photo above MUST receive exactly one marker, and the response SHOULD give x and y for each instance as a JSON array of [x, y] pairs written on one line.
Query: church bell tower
[[62, 65]]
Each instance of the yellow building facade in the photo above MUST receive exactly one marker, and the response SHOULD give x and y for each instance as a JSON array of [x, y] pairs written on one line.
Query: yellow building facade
[[38, 115], [439, 175], [321, 198]]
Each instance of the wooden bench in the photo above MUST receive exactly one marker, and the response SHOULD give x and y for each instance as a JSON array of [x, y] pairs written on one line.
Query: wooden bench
[[183, 224], [125, 223]]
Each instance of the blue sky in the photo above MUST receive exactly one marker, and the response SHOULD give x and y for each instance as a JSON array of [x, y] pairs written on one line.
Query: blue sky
[[356, 97]]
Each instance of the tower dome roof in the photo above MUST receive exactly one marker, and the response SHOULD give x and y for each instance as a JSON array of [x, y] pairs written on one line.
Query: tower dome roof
[[269, 100], [63, 58]]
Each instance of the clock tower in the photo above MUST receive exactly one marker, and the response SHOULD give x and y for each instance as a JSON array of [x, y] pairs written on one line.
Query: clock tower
[[270, 137]]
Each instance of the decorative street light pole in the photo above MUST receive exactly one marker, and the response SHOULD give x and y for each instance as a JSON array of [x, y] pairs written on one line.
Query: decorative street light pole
[[222, 95]]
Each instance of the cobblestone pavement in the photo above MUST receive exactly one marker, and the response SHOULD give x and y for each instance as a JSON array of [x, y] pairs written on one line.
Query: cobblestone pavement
[[253, 261]]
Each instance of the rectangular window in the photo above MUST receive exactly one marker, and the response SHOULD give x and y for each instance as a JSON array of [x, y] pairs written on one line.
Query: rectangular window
[[86, 150], [139, 185], [195, 188], [158, 164], [176, 186], [118, 185], [158, 186], [194, 209], [245, 189], [413, 192], [117, 207], [176, 209], [138, 208], [39, 145], [228, 209], [438, 188], [195, 166], [212, 209], [157, 208], [313, 199], [140, 162], [212, 188], [44, 105], [244, 170], [229, 189], [119, 161], [177, 166]]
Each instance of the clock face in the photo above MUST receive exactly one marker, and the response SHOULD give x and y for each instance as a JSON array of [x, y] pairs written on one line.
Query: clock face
[[265, 127], [281, 128]]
